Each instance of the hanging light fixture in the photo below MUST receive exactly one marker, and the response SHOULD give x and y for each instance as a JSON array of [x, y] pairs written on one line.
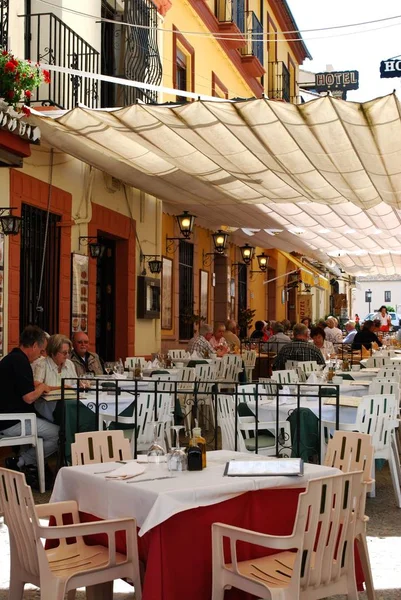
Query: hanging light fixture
[[220, 238], [96, 249], [155, 264], [263, 261], [247, 252], [186, 223], [10, 224]]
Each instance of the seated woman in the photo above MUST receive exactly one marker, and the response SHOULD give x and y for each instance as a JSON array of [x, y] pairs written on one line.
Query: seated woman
[[318, 336], [218, 341], [367, 336], [52, 369], [258, 332]]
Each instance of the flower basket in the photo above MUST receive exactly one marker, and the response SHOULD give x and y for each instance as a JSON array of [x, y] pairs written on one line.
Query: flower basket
[[18, 79]]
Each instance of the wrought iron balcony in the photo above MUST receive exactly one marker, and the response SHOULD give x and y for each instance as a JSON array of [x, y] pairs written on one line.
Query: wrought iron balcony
[[130, 52], [279, 82], [49, 40], [4, 6], [252, 52], [231, 16]]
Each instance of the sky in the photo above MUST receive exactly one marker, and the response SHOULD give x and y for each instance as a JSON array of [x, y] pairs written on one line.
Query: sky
[[362, 51]]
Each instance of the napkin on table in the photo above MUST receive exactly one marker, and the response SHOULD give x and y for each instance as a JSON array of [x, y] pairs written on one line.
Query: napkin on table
[[131, 469]]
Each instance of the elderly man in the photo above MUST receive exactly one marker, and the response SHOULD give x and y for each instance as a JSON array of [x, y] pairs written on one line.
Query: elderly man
[[278, 339], [19, 395], [351, 332], [299, 349], [333, 333], [85, 361], [218, 341], [201, 342], [230, 335]]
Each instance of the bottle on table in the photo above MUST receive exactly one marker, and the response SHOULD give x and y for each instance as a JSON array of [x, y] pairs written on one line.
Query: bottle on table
[[194, 454], [137, 370], [199, 441]]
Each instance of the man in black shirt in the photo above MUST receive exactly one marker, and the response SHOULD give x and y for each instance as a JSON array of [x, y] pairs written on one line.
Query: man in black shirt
[[366, 336], [18, 395]]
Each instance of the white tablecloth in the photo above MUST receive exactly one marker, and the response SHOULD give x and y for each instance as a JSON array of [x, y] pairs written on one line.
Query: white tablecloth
[[153, 502]]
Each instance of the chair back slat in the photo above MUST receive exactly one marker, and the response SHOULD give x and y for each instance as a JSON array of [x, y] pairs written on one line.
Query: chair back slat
[[380, 361], [99, 446], [350, 451], [376, 416], [177, 353], [131, 362], [390, 372], [226, 420], [285, 376]]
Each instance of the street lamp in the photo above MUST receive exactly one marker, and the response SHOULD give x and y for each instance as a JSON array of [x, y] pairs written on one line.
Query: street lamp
[[368, 297]]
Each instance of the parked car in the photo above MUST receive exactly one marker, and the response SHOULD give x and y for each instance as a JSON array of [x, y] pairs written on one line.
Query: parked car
[[395, 319]]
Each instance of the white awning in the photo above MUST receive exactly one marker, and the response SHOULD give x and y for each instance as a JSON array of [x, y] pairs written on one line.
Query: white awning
[[322, 178]]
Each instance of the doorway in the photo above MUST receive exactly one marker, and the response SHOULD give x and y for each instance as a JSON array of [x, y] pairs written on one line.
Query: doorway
[[105, 300]]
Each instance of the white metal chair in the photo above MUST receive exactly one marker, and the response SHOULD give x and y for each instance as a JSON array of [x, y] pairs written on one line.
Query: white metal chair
[[177, 354], [285, 376], [315, 561], [351, 451], [246, 426], [306, 365], [380, 361], [377, 416], [100, 446], [185, 391], [28, 422], [132, 361], [249, 358], [72, 564]]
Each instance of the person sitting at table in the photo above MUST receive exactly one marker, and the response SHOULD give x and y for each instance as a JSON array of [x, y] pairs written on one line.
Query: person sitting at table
[[366, 336], [200, 344], [319, 340], [257, 333], [52, 370], [278, 339], [85, 361], [351, 332], [308, 322], [384, 318], [298, 350], [333, 333], [230, 335], [19, 395], [218, 341]]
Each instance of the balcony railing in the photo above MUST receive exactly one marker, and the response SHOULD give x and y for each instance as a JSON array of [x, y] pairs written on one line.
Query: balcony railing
[[279, 82], [254, 36], [49, 40], [231, 11], [4, 5]]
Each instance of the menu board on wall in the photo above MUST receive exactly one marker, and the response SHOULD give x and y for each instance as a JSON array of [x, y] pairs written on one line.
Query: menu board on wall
[[1, 292], [79, 292]]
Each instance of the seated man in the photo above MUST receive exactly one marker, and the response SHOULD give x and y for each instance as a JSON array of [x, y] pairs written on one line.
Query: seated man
[[230, 335], [201, 343], [366, 336], [299, 349], [351, 332], [218, 341], [85, 361], [19, 395], [278, 339]]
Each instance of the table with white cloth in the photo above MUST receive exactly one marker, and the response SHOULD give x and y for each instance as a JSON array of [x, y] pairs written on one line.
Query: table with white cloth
[[174, 515]]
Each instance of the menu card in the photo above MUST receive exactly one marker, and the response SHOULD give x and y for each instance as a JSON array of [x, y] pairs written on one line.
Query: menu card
[[265, 468]]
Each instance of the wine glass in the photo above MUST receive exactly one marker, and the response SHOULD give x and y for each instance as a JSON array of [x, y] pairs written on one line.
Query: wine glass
[[178, 458], [156, 450], [108, 367]]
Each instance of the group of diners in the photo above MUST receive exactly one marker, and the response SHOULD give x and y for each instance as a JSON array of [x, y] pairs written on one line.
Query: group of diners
[[215, 341], [32, 370]]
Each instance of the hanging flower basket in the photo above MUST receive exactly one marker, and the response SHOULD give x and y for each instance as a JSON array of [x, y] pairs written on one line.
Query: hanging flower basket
[[18, 79]]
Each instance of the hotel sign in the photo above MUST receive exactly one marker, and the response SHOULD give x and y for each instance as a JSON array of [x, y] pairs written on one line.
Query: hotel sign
[[390, 68], [335, 81]]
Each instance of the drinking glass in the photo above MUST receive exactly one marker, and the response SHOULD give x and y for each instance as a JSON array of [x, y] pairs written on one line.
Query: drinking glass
[[108, 367], [178, 458], [156, 450]]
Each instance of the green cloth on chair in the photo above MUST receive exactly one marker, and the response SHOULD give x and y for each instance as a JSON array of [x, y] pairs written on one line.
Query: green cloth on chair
[[193, 363], [75, 412], [308, 434]]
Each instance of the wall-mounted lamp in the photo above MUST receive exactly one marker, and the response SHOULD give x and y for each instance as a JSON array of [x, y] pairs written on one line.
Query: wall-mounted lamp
[[154, 263], [96, 249], [263, 263], [186, 223], [10, 224], [220, 238], [247, 253]]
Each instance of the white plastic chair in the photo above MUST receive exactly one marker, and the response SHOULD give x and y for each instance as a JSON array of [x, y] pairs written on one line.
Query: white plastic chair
[[205, 378], [26, 438], [177, 354], [377, 416], [249, 358], [99, 447], [315, 561], [380, 361], [131, 362], [185, 391], [285, 376], [246, 425], [351, 451], [378, 386], [391, 372], [70, 565], [306, 365]]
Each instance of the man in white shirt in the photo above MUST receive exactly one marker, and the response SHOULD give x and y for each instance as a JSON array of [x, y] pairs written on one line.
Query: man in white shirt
[[351, 332], [333, 333]]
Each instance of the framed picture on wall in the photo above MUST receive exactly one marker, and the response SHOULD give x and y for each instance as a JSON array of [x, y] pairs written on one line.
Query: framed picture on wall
[[204, 294], [167, 293]]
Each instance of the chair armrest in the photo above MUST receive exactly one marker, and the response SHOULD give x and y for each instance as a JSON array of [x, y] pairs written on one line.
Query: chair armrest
[[56, 509], [108, 526], [17, 416]]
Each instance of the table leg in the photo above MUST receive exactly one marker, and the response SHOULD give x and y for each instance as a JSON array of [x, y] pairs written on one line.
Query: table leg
[[101, 591]]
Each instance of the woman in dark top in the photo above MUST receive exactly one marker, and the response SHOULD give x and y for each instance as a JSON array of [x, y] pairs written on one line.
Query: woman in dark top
[[366, 336], [258, 334]]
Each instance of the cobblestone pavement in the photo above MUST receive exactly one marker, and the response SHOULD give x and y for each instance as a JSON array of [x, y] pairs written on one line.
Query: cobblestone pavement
[[384, 531]]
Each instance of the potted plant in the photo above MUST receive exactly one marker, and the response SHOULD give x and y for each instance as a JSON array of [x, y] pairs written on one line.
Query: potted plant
[[245, 320], [18, 79]]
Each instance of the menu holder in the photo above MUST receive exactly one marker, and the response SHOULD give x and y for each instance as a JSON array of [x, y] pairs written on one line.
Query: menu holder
[[278, 467], [351, 401]]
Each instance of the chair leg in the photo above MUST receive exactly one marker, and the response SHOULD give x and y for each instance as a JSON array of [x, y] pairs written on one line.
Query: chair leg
[[394, 475], [16, 591], [217, 591], [40, 459], [101, 591], [365, 561], [372, 490]]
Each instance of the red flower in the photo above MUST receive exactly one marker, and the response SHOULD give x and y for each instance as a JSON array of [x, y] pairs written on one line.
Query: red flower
[[16, 63], [46, 75], [26, 111], [4, 53], [9, 67], [10, 94], [28, 94]]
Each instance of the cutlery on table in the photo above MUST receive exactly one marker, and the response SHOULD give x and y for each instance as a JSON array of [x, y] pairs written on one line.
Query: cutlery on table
[[152, 479]]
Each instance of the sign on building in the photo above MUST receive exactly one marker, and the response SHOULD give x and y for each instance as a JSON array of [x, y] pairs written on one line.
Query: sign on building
[[390, 68], [337, 82]]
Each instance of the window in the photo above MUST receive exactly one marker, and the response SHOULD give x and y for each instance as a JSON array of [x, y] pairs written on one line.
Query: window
[[181, 70], [219, 90], [183, 64], [387, 296], [186, 286]]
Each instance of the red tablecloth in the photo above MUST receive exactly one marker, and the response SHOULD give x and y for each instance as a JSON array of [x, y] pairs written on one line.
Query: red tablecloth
[[178, 553]]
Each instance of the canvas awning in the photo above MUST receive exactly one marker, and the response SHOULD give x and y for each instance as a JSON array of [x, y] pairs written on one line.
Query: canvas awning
[[322, 178]]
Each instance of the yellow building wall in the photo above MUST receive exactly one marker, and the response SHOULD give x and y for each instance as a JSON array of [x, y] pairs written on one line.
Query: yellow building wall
[[257, 290]]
